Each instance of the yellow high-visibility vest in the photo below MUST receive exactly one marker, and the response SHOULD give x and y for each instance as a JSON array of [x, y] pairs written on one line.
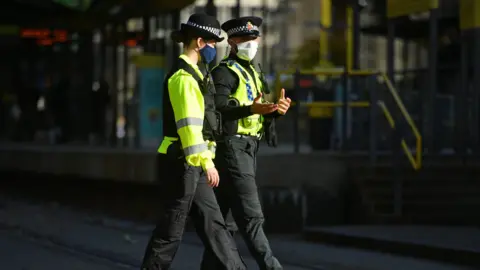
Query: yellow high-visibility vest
[[188, 105], [245, 94]]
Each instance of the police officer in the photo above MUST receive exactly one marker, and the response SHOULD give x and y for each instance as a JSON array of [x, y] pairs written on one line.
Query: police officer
[[246, 117], [186, 170]]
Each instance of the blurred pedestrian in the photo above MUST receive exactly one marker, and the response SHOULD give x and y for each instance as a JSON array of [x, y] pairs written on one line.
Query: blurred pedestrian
[[100, 99], [3, 112], [27, 101], [59, 106]]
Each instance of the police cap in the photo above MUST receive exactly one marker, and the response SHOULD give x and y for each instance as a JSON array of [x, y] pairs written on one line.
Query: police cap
[[243, 26], [199, 25]]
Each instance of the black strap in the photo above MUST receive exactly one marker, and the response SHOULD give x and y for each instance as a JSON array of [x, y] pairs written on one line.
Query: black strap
[[185, 66], [265, 87], [255, 78]]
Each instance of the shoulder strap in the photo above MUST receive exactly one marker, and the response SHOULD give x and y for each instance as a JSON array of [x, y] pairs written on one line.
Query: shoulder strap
[[205, 85], [265, 86], [185, 66], [234, 64], [181, 64], [227, 62]]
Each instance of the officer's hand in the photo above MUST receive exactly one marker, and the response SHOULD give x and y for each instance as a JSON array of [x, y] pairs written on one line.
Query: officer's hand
[[283, 103], [212, 177], [262, 108]]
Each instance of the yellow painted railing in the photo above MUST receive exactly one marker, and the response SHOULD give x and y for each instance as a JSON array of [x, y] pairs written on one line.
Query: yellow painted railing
[[416, 164], [414, 159], [418, 137]]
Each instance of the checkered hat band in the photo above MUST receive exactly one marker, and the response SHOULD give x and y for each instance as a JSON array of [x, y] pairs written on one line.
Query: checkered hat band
[[241, 29], [213, 30]]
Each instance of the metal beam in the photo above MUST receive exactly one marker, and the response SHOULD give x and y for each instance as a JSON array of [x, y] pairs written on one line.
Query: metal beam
[[84, 21], [98, 15], [24, 14], [129, 8]]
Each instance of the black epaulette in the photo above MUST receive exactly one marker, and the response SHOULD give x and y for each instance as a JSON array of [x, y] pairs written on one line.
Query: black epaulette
[[228, 62], [233, 63]]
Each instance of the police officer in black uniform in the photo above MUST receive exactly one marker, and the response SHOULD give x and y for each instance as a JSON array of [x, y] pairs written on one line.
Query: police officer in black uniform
[[246, 118], [185, 157]]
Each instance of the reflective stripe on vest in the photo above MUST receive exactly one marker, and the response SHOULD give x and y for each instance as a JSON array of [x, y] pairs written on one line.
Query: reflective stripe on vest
[[167, 141]]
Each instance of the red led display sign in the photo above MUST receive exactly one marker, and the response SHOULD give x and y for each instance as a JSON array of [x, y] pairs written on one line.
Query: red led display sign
[[305, 83], [45, 37], [130, 42]]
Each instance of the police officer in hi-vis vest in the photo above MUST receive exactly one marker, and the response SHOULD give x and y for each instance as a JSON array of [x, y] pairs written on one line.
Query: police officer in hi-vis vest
[[185, 157], [246, 118]]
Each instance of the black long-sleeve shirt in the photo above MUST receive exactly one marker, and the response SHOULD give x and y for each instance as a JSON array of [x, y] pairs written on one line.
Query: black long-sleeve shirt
[[226, 83]]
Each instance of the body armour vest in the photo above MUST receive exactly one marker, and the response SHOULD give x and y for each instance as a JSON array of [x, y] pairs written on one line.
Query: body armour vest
[[211, 122], [248, 89]]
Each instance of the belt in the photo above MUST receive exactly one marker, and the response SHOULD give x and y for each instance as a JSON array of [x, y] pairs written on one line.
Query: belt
[[244, 136]]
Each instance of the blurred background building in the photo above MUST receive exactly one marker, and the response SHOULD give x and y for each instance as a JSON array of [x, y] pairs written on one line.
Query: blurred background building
[[88, 72], [384, 129], [384, 88]]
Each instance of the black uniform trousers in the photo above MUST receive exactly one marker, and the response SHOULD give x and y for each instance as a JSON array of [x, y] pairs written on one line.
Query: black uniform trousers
[[184, 190], [238, 193]]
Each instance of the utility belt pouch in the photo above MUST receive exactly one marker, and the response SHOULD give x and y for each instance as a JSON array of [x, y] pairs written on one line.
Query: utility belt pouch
[[212, 124], [270, 132], [174, 151]]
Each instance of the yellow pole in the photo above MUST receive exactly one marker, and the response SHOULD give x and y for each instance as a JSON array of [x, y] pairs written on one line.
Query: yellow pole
[[349, 39], [326, 25]]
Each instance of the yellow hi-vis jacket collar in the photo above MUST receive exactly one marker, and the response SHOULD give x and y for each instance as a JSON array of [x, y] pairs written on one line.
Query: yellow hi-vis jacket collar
[[192, 64]]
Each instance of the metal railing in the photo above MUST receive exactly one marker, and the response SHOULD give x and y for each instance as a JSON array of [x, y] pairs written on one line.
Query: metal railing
[[414, 157], [417, 162]]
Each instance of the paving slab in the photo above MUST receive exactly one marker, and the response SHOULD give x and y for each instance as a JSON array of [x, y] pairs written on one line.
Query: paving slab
[[125, 241], [456, 244], [20, 253]]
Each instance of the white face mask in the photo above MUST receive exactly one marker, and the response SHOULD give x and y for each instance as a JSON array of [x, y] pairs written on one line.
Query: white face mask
[[247, 50]]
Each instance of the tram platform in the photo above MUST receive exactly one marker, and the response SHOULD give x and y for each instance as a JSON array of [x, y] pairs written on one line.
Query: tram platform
[[296, 190], [120, 173], [278, 167]]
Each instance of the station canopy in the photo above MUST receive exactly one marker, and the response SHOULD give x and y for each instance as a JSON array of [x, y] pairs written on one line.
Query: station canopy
[[81, 5], [81, 14]]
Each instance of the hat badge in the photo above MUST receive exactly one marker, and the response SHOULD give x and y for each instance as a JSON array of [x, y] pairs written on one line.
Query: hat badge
[[249, 26]]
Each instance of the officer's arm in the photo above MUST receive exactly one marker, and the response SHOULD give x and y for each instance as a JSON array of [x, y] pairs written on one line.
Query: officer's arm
[[226, 84], [187, 100]]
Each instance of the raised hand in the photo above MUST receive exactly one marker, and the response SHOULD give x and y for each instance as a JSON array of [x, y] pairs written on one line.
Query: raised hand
[[283, 103]]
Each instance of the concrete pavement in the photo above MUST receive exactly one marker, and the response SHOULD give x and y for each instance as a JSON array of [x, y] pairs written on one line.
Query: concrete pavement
[[20, 253], [113, 243]]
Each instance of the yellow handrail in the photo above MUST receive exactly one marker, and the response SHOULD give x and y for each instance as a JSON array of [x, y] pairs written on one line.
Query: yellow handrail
[[408, 118], [405, 148], [415, 161]]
